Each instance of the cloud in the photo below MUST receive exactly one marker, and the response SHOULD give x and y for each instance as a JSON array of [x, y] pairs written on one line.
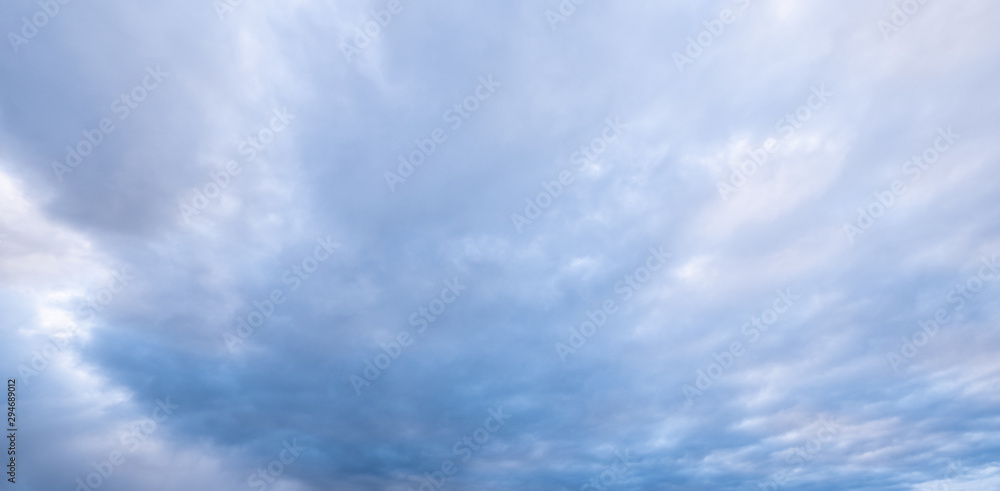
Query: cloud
[[127, 279]]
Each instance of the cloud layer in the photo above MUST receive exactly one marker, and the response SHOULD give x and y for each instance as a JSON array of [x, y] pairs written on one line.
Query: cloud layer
[[743, 244]]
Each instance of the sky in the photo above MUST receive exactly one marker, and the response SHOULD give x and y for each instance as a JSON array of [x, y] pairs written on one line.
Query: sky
[[525, 245]]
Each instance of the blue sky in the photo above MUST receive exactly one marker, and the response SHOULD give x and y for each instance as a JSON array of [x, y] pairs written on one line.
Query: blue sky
[[400, 245]]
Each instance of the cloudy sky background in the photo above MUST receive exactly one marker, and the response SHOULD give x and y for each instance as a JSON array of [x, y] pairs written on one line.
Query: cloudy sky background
[[813, 403]]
